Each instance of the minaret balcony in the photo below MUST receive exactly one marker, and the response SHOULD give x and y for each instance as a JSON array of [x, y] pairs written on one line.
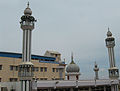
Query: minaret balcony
[[113, 73], [27, 27], [25, 74]]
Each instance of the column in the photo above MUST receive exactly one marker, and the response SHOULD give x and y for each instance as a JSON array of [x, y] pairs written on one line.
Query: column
[[113, 88], [104, 88], [0, 87], [60, 73], [27, 85], [116, 88], [23, 85], [90, 89]]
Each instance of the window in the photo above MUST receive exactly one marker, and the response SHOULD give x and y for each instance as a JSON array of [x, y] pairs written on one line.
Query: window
[[0, 67], [37, 78], [4, 89], [43, 78], [62, 70], [11, 67], [53, 69], [57, 70], [45, 69], [16, 68], [41, 69], [0, 79], [12, 90], [37, 69], [54, 78], [55, 55], [33, 68], [13, 79], [33, 78]]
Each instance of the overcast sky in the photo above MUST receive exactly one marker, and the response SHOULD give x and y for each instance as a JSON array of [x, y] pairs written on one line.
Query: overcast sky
[[66, 26]]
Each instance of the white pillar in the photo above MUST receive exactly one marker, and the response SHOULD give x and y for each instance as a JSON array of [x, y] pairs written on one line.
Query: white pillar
[[90, 89], [116, 87], [0, 87], [27, 85], [113, 88], [104, 88], [23, 85]]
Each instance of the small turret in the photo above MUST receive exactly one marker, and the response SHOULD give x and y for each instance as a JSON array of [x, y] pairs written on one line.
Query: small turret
[[96, 69]]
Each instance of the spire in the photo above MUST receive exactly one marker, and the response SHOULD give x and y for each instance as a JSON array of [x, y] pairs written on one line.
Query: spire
[[72, 56], [109, 33], [72, 62], [95, 65], [28, 5], [108, 28]]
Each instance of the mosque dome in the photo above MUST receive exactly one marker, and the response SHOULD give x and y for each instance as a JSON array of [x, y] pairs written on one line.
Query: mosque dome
[[72, 67], [27, 11]]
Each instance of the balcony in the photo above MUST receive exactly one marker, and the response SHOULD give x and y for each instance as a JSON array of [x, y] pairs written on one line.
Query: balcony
[[25, 74]]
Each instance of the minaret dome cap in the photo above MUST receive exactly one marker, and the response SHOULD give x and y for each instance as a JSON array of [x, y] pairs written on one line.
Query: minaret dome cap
[[28, 11]]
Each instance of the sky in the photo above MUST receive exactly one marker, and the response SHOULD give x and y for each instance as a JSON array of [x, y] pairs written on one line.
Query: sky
[[66, 26]]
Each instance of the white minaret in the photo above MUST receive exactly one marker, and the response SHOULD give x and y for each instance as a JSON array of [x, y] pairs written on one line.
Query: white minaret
[[110, 43], [96, 69], [113, 71], [25, 68]]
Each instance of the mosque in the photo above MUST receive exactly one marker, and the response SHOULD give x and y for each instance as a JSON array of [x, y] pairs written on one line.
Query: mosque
[[22, 78]]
